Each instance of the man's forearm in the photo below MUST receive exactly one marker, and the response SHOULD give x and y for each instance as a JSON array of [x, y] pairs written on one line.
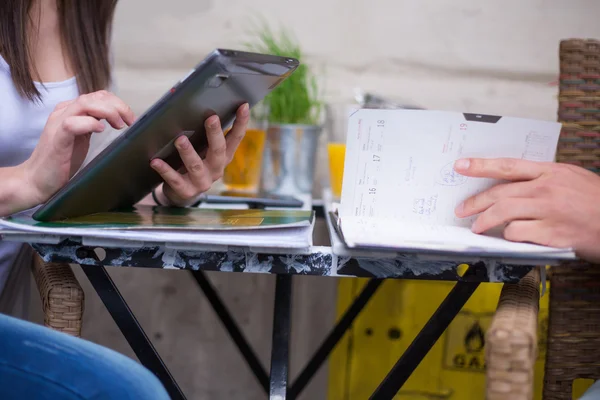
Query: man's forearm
[[15, 195]]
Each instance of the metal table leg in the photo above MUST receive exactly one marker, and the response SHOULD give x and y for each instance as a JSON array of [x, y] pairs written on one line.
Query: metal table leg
[[232, 328], [334, 337], [130, 327], [281, 338], [427, 337], [320, 355]]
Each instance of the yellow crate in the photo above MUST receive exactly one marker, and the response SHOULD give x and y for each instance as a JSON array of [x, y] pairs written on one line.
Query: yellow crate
[[455, 366]]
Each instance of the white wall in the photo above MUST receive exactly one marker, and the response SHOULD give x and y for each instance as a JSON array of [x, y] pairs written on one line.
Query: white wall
[[481, 56]]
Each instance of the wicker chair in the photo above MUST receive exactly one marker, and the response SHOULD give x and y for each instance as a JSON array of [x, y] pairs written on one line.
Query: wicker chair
[[61, 295], [574, 313], [511, 341]]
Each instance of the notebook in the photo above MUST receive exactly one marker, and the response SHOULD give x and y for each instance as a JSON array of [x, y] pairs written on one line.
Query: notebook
[[400, 190]]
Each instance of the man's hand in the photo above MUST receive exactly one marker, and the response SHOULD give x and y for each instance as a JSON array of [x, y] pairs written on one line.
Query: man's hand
[[551, 204]]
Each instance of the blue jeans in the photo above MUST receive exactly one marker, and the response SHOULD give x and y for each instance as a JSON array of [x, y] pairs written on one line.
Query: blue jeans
[[39, 363]]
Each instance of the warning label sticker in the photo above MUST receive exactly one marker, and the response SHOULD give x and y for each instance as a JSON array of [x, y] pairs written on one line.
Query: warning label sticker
[[465, 341]]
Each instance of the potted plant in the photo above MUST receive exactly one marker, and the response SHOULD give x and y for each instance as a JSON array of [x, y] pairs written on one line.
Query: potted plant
[[294, 119]]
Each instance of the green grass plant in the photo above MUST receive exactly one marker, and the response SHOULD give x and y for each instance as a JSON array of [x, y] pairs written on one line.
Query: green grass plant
[[296, 100]]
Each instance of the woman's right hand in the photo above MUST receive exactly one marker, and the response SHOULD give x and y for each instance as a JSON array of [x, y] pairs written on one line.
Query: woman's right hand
[[65, 140]]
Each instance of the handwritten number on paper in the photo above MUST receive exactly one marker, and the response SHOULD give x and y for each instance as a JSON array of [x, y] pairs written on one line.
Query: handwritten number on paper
[[463, 127], [376, 158], [380, 123], [372, 190]]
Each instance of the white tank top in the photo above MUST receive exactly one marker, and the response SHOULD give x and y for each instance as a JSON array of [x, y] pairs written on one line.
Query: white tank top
[[21, 124]]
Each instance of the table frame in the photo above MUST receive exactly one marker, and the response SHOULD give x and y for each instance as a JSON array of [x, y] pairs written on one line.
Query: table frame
[[321, 262]]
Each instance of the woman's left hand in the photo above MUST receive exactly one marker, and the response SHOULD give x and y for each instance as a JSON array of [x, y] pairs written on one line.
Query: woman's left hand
[[182, 189]]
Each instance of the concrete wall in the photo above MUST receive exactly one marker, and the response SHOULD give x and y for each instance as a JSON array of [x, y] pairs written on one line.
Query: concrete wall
[[484, 56], [478, 56]]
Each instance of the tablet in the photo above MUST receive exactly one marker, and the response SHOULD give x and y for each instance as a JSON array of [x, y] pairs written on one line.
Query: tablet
[[121, 175]]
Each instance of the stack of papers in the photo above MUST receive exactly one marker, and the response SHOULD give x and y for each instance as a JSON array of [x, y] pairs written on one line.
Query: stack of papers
[[283, 229]]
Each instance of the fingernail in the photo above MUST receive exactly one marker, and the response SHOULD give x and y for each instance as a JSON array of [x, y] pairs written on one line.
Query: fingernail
[[213, 121], [101, 127], [462, 164], [459, 209], [245, 110], [154, 163], [182, 142], [121, 124]]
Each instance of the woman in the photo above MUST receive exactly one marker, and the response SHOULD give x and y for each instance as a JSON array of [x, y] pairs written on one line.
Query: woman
[[54, 72]]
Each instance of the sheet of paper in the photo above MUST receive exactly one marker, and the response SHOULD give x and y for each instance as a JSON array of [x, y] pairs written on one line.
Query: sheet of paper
[[399, 163], [385, 233], [292, 238]]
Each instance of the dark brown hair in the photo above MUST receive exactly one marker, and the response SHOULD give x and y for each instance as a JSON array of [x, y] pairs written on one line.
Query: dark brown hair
[[85, 28]]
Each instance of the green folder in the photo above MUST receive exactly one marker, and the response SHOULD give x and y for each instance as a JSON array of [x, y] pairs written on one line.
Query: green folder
[[161, 218]]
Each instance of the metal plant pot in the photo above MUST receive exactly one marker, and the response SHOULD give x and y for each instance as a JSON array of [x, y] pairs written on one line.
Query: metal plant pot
[[289, 159]]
